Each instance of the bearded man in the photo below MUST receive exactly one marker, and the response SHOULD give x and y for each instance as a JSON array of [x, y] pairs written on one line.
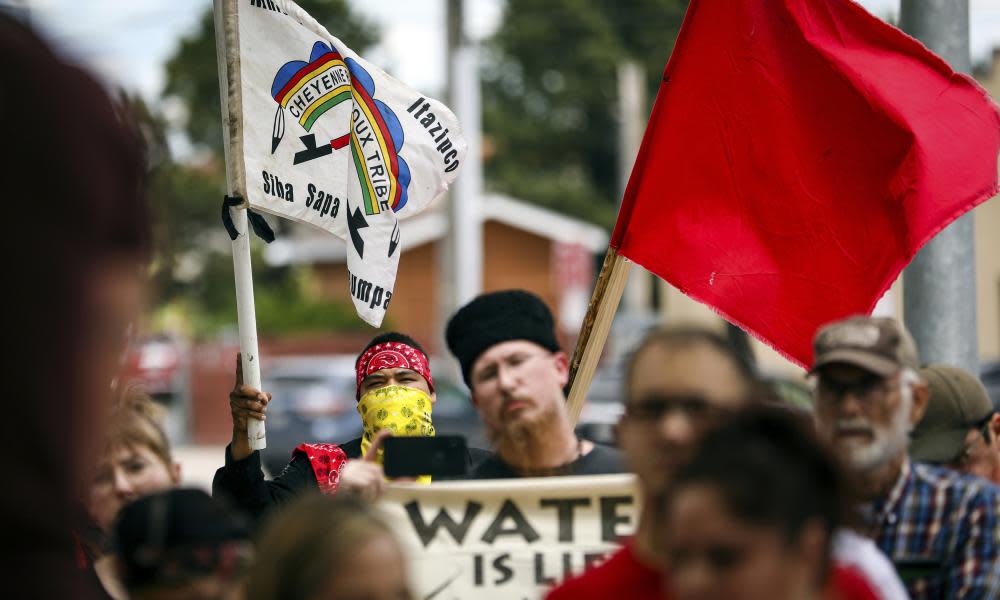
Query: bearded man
[[941, 529], [506, 345]]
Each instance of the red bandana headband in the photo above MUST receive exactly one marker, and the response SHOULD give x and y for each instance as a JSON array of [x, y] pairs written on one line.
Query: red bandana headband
[[392, 355]]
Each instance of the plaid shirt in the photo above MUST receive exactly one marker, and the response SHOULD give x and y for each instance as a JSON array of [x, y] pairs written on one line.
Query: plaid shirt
[[942, 532]]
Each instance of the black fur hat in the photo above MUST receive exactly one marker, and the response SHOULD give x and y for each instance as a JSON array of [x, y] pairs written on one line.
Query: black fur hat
[[498, 317]]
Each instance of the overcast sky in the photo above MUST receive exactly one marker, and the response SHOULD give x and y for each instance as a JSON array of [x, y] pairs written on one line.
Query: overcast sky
[[128, 46]]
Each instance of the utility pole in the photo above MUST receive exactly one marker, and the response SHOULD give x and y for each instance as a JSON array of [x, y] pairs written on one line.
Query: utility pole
[[631, 124], [939, 287], [466, 230], [454, 25], [460, 257], [454, 35]]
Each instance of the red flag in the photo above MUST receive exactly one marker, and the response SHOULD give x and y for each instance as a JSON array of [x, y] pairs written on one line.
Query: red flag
[[798, 155]]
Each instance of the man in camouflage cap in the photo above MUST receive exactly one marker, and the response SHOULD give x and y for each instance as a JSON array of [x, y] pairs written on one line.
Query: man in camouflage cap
[[961, 428]]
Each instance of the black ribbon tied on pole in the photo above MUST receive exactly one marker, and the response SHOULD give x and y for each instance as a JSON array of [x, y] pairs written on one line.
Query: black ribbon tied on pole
[[256, 220]]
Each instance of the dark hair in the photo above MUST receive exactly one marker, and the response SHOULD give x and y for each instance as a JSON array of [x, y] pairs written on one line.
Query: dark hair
[[496, 317], [390, 336], [687, 336], [177, 535], [770, 469]]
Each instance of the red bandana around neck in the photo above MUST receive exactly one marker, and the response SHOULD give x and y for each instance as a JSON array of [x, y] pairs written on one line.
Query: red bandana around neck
[[392, 355], [327, 461]]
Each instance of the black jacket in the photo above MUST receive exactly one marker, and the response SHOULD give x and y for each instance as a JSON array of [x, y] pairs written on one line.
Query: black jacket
[[241, 483], [600, 460]]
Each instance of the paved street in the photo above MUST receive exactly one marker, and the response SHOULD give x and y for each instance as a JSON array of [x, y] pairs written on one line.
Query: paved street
[[198, 464]]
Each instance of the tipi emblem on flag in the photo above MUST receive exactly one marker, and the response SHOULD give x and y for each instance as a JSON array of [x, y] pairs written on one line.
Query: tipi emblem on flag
[[322, 136], [308, 90]]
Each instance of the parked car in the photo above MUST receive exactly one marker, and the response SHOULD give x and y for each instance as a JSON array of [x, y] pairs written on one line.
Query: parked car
[[454, 413], [313, 401], [158, 363]]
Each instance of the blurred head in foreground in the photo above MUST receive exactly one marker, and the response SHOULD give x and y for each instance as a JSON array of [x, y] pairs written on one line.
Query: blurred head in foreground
[[320, 548], [679, 383], [181, 544], [751, 516], [78, 235]]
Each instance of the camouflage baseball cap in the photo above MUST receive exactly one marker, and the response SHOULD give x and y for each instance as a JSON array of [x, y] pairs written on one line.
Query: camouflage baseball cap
[[958, 402], [876, 344]]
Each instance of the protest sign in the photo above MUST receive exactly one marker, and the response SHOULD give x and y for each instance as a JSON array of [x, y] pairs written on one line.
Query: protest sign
[[510, 538]]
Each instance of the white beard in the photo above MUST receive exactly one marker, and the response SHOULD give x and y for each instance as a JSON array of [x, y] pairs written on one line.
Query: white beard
[[888, 442]]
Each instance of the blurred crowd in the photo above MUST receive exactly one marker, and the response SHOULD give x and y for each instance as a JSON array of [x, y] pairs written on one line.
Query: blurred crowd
[[885, 486]]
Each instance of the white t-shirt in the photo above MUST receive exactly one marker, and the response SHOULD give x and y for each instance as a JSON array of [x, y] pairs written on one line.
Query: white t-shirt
[[854, 550]]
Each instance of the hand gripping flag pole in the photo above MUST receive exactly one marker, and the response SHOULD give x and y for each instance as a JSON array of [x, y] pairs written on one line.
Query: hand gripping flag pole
[[227, 56]]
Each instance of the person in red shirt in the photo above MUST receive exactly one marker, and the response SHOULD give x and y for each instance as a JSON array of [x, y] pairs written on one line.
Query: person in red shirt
[[754, 513], [678, 382]]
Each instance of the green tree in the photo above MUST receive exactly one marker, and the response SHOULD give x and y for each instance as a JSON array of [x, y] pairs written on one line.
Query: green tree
[[192, 74], [550, 96]]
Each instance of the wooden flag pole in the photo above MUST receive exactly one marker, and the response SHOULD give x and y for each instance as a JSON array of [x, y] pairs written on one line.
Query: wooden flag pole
[[594, 332], [227, 57]]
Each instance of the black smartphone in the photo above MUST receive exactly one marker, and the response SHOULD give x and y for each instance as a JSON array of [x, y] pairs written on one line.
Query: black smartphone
[[438, 456]]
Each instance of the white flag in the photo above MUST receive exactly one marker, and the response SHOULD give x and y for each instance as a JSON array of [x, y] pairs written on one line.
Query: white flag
[[329, 139]]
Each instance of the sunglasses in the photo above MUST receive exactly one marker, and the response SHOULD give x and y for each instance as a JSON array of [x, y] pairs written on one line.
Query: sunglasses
[[864, 388], [653, 408]]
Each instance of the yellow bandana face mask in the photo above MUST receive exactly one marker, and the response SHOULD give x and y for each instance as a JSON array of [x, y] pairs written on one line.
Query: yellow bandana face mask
[[403, 410]]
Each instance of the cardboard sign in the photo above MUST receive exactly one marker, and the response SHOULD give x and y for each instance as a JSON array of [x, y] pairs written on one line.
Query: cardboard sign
[[508, 538]]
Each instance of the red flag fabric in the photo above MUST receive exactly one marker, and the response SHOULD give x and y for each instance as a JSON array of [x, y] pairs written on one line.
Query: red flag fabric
[[798, 155]]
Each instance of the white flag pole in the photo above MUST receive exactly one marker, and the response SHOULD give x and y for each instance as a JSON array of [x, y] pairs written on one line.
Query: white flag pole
[[227, 56]]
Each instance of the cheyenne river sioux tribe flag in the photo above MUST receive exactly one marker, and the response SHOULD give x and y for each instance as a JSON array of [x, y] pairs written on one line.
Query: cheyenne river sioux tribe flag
[[322, 136]]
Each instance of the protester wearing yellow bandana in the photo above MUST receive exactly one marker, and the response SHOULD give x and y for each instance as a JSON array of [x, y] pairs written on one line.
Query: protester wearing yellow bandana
[[405, 411], [395, 392]]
